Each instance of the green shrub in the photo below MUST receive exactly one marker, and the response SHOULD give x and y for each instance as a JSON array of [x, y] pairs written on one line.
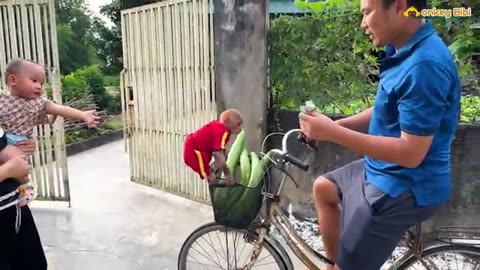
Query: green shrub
[[73, 87], [93, 78], [470, 109], [114, 102], [111, 80], [324, 57], [88, 79]]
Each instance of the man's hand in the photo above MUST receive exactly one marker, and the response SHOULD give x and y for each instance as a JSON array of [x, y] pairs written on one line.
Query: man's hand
[[19, 169], [317, 126], [90, 118], [28, 146]]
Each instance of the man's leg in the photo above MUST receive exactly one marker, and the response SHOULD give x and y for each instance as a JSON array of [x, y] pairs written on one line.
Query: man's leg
[[327, 193], [372, 222], [326, 200]]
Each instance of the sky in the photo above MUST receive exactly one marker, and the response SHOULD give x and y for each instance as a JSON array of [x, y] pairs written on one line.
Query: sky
[[95, 5]]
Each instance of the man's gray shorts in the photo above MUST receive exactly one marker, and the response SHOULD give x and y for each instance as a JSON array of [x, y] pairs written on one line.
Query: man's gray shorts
[[372, 222]]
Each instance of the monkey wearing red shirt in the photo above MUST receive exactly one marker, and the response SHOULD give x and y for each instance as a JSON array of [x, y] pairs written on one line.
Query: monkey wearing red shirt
[[210, 141]]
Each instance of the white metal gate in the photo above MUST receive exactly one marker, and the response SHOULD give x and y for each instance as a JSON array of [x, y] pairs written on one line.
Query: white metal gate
[[168, 90], [28, 30]]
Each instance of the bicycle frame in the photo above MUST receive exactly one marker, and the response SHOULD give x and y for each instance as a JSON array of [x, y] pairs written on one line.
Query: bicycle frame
[[275, 216], [300, 248]]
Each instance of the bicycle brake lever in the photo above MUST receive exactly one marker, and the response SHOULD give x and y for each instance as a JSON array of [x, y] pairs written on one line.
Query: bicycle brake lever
[[302, 138]]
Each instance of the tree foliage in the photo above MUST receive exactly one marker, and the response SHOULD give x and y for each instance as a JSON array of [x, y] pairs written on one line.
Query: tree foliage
[[325, 57], [109, 40], [75, 35]]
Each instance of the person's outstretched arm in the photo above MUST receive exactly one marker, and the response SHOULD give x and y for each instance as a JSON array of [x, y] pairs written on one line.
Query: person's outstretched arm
[[88, 117]]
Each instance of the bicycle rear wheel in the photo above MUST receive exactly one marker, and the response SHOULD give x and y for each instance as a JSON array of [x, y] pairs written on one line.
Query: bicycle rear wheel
[[198, 251], [443, 257]]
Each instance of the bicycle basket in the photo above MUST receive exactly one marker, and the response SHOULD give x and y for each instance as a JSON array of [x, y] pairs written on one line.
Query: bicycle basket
[[236, 206]]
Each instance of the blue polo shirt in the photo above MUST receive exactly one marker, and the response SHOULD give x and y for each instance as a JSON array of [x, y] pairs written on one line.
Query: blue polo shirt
[[418, 93]]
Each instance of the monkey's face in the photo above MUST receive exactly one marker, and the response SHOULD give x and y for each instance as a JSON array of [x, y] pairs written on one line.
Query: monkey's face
[[235, 128]]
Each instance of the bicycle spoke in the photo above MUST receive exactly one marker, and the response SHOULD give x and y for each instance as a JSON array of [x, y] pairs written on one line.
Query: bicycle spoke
[[216, 253], [227, 252], [214, 250], [219, 241], [234, 247], [243, 249], [205, 265], [475, 268], [206, 257], [262, 264]]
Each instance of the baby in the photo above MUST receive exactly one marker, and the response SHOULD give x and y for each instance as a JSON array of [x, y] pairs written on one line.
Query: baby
[[24, 107], [210, 140]]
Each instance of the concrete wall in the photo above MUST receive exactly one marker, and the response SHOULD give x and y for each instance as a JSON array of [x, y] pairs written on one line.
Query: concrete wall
[[240, 63], [464, 207]]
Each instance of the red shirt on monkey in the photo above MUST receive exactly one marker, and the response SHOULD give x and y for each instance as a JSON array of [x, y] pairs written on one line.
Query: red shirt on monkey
[[210, 141]]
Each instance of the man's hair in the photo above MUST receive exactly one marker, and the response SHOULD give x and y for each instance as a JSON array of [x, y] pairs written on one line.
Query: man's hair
[[418, 4], [15, 67], [231, 117]]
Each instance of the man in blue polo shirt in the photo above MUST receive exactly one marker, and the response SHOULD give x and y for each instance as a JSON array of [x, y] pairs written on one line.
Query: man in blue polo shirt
[[405, 139]]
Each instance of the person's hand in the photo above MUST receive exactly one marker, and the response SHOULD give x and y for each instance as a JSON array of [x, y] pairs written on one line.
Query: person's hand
[[90, 118], [317, 126], [19, 169], [28, 146]]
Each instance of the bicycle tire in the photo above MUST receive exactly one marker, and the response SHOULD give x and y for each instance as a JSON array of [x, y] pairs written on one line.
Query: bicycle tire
[[442, 247], [209, 227]]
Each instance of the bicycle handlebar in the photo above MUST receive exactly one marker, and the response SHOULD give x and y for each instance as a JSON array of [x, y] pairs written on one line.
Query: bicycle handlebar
[[295, 161]]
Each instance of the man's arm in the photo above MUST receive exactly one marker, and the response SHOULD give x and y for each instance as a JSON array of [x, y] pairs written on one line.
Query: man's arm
[[358, 122], [422, 104], [64, 111], [407, 151]]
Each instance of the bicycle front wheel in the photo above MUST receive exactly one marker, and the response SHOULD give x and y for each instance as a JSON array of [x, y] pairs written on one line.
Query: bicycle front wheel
[[214, 246], [444, 257]]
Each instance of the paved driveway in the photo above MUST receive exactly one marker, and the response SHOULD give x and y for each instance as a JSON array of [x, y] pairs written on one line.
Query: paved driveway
[[114, 223]]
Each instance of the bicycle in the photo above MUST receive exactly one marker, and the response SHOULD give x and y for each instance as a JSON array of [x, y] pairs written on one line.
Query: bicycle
[[255, 228]]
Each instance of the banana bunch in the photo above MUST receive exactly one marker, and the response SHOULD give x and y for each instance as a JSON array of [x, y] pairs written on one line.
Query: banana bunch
[[251, 168]]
